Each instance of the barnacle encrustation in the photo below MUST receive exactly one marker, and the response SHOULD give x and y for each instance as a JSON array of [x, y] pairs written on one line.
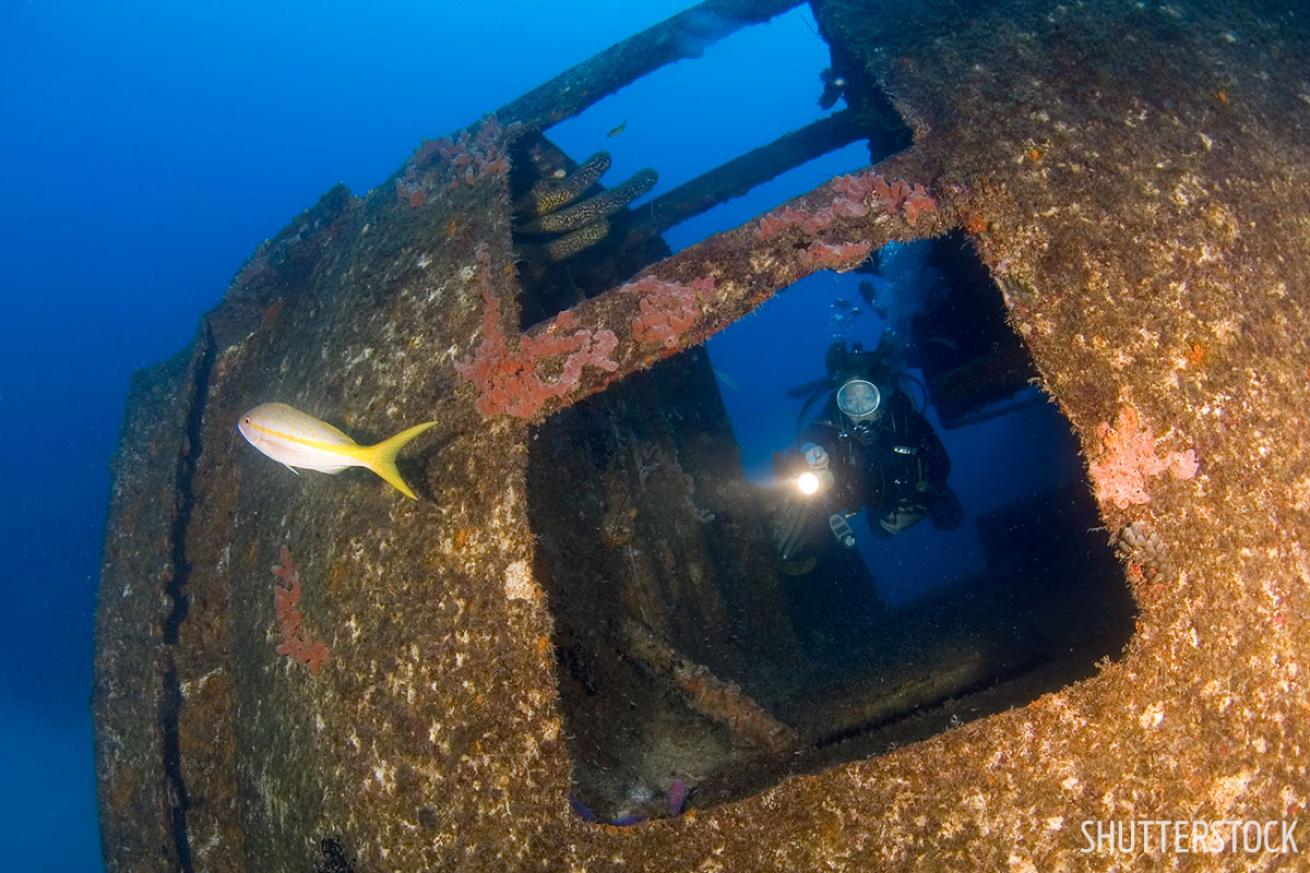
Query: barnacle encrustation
[[1143, 550]]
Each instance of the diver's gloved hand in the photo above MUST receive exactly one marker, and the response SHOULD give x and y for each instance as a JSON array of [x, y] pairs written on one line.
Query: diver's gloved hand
[[895, 520]]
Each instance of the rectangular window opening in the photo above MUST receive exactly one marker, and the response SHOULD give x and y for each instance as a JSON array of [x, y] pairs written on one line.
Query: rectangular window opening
[[844, 524]]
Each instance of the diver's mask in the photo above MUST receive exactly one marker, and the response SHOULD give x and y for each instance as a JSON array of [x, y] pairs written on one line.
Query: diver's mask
[[860, 402]]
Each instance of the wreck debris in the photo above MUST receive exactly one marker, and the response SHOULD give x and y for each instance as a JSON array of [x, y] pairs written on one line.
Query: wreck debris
[[895, 811], [739, 175], [841, 257], [718, 699], [296, 642], [746, 266], [1127, 459]]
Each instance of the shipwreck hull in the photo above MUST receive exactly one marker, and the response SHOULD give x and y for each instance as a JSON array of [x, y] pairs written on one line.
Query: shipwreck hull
[[1138, 186]]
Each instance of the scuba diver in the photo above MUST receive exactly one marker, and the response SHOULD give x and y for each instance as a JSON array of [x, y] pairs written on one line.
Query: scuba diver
[[869, 449]]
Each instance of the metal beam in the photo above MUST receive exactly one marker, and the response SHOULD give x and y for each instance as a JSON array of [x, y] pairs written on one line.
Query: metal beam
[[685, 35]]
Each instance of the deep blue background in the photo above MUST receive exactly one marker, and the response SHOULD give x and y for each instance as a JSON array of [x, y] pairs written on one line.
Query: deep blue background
[[147, 147]]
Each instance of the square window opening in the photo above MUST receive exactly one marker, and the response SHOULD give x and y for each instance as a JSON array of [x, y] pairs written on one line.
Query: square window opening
[[845, 523]]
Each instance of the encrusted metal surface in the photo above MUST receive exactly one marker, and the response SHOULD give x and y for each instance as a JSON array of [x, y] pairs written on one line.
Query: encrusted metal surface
[[1136, 177]]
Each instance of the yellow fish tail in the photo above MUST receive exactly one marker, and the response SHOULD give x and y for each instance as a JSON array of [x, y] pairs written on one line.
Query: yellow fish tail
[[381, 458]]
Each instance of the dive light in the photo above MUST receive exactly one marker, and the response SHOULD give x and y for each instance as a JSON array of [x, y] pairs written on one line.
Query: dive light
[[817, 477]]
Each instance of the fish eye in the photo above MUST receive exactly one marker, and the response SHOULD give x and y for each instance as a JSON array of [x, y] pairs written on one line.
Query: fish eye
[[246, 420]]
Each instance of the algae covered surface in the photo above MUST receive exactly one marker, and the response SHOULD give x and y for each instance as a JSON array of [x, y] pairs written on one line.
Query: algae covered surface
[[1135, 177]]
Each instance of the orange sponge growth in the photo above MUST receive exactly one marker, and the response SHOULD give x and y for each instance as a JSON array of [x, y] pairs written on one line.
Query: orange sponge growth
[[853, 196], [513, 372], [447, 162], [667, 310], [296, 642], [1128, 459]]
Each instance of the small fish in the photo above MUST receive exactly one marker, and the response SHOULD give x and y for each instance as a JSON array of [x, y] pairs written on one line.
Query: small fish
[[559, 174], [727, 379], [615, 131], [945, 342], [301, 441]]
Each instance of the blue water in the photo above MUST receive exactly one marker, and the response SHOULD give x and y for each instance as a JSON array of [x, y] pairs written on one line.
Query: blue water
[[147, 147]]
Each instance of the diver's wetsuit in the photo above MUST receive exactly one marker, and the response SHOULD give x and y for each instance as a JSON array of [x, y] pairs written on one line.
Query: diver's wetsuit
[[883, 456], [895, 467]]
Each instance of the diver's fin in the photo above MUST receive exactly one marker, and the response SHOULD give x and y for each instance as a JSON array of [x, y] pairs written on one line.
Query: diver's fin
[[381, 458]]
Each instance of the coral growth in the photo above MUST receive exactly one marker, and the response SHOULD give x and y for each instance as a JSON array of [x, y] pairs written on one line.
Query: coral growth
[[550, 194], [552, 206], [513, 374], [1127, 459], [667, 310], [895, 195], [853, 196], [593, 209], [976, 223], [564, 247], [296, 642], [450, 163], [916, 202]]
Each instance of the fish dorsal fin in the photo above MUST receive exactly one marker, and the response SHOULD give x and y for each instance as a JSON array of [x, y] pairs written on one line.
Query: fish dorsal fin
[[329, 432]]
